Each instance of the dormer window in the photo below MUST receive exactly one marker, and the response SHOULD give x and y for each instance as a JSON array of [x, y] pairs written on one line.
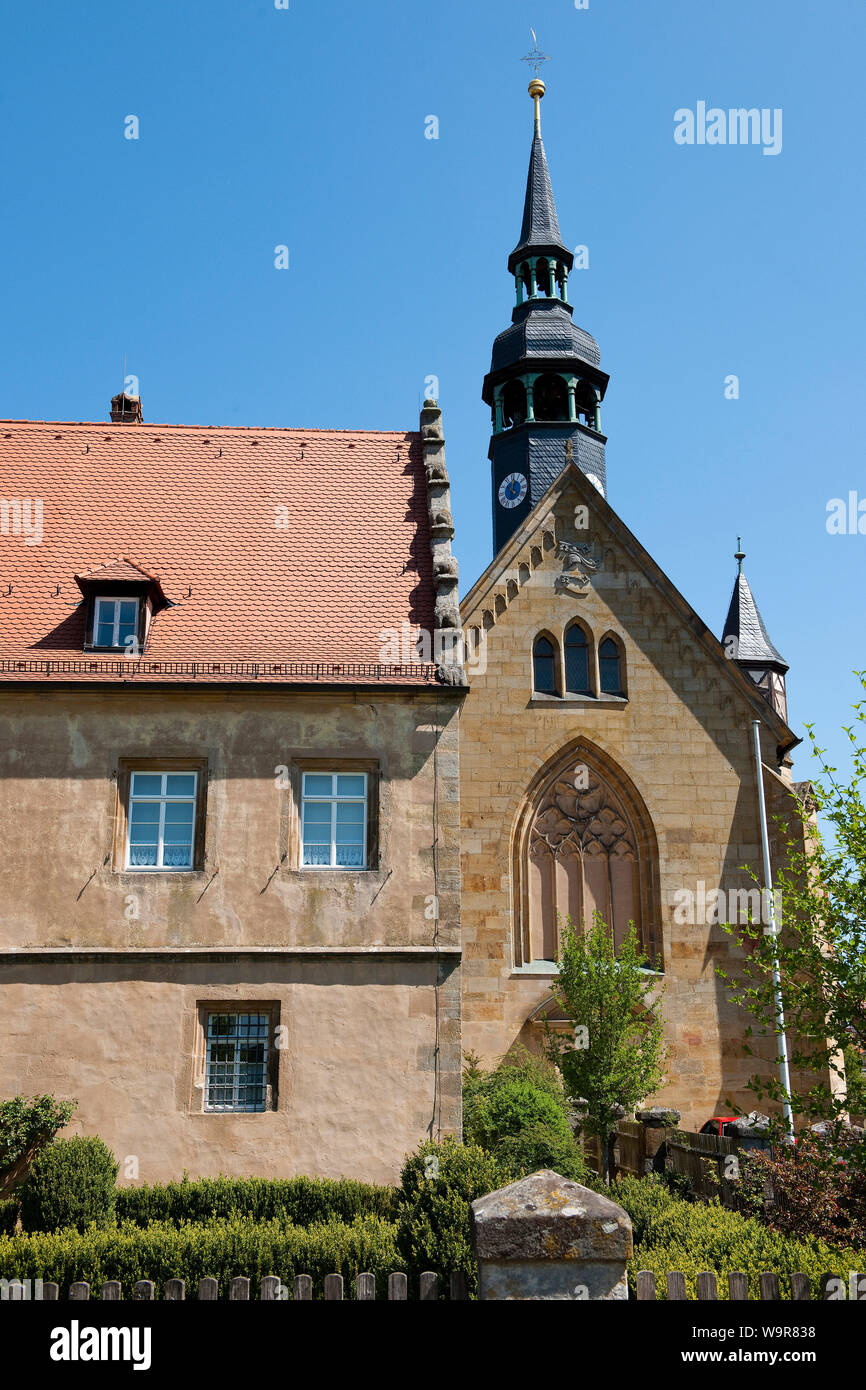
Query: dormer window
[[120, 601], [116, 622]]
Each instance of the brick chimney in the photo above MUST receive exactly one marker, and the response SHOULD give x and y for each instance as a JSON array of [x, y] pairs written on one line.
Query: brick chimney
[[125, 410]]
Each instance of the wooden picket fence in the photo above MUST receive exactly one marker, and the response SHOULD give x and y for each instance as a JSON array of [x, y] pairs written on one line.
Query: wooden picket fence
[[699, 1157], [832, 1287], [270, 1289]]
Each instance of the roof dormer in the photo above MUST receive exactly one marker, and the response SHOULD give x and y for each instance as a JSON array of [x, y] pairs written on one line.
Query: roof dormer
[[121, 599]]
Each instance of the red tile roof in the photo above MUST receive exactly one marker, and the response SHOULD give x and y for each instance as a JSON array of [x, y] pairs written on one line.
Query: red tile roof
[[119, 569], [284, 554]]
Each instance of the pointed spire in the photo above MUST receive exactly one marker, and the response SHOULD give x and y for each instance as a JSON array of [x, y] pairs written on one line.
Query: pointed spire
[[751, 643], [540, 230]]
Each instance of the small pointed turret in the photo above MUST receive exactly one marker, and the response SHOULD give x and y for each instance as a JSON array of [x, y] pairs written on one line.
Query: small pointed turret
[[747, 642]]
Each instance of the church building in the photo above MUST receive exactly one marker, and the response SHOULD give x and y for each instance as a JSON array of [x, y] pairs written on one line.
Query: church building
[[269, 868], [606, 744]]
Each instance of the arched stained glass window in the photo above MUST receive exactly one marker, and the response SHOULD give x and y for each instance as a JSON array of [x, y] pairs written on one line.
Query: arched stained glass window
[[587, 846], [544, 666], [610, 667], [577, 661]]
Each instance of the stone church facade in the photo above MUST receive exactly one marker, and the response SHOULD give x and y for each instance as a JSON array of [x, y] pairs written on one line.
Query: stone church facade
[[606, 744], [269, 867]]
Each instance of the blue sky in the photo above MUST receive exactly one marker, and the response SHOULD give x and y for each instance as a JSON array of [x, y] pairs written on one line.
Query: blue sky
[[306, 127]]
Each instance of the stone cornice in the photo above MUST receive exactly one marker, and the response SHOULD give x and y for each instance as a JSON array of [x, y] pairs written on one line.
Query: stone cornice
[[117, 954]]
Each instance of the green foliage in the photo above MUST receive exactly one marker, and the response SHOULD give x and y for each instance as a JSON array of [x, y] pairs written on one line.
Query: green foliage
[[71, 1183], [855, 1080], [8, 1216], [616, 1058], [438, 1184], [542, 1146], [26, 1124], [298, 1201], [645, 1200], [221, 1250], [519, 1112], [692, 1237], [821, 944]]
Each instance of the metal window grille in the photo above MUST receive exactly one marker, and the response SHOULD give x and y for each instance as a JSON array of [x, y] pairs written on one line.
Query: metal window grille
[[161, 820], [236, 1069], [334, 820]]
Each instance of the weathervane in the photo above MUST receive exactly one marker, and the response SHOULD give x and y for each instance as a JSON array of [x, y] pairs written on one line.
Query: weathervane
[[535, 55]]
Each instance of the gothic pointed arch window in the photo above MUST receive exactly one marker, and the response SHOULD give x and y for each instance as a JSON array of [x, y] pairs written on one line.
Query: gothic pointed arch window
[[544, 663], [585, 845], [578, 677], [611, 667]]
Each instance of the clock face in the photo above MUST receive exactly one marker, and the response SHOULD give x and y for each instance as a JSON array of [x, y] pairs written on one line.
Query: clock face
[[512, 490]]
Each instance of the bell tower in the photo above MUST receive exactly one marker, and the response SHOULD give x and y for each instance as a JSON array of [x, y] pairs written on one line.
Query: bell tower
[[545, 385]]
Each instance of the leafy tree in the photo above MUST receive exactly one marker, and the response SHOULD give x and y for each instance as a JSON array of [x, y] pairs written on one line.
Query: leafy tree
[[25, 1125], [615, 1057], [820, 943]]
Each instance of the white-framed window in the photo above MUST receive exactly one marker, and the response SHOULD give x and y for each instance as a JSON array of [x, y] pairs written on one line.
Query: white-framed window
[[161, 820], [236, 1061], [115, 622], [334, 820]]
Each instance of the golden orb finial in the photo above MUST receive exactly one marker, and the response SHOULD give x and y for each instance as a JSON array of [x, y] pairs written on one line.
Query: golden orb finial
[[536, 91]]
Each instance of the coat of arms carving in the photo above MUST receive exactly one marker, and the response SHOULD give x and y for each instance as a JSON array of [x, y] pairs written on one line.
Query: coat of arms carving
[[578, 567]]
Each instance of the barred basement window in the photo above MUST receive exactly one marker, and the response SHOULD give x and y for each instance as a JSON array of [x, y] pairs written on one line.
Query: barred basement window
[[334, 820], [236, 1063]]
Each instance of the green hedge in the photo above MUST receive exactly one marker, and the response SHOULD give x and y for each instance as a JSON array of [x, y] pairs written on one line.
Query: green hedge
[[438, 1184], [8, 1215], [222, 1250], [71, 1183], [671, 1234], [298, 1201]]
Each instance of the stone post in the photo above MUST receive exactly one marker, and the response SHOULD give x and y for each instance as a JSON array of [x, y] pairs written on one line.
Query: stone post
[[656, 1121], [546, 1237]]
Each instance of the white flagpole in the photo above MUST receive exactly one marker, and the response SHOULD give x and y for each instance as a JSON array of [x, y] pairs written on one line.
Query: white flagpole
[[771, 929]]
